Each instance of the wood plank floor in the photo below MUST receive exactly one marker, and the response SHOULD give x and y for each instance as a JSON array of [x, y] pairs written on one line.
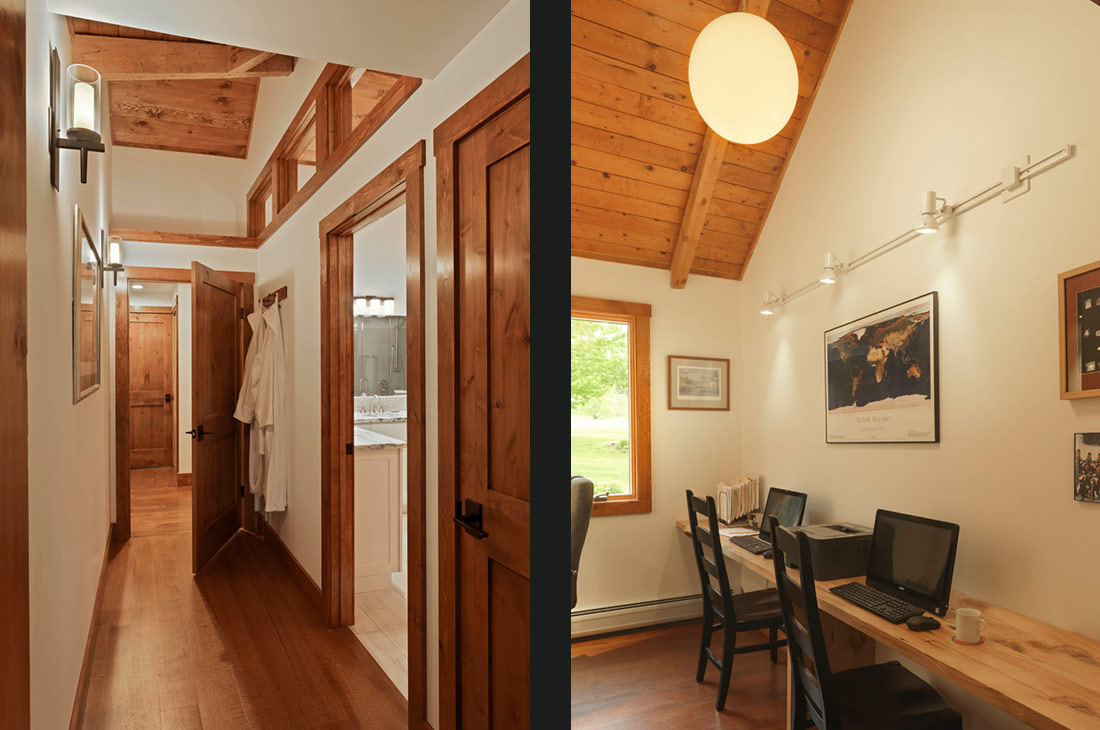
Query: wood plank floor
[[647, 680], [239, 646], [157, 505]]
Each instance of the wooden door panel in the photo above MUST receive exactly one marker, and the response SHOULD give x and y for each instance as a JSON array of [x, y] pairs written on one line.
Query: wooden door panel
[[493, 449], [152, 418], [215, 373]]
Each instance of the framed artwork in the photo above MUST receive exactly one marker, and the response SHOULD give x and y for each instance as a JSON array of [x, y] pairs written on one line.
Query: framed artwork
[[87, 310], [1086, 467], [1079, 332], [698, 383], [881, 376]]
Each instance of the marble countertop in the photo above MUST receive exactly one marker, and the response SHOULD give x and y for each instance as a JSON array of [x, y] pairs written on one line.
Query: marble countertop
[[383, 417], [366, 440]]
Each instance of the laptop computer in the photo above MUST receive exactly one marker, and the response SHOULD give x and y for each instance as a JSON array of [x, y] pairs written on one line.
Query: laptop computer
[[786, 506]]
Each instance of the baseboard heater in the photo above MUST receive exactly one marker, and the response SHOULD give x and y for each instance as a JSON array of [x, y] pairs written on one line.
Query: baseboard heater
[[640, 604]]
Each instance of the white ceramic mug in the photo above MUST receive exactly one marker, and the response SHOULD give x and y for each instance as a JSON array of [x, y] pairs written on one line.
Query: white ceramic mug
[[969, 625]]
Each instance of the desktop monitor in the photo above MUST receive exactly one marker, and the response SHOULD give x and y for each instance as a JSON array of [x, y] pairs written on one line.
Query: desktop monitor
[[913, 559], [786, 506]]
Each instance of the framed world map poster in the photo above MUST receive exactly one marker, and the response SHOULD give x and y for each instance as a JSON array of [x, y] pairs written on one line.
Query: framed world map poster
[[881, 376]]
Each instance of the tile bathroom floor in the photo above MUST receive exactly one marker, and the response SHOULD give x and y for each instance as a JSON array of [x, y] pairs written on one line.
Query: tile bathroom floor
[[381, 625]]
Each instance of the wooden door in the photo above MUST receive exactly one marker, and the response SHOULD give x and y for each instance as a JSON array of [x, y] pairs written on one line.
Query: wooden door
[[491, 415], [215, 374], [152, 389]]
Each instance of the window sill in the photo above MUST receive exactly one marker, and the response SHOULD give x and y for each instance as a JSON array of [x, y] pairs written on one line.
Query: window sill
[[621, 507]]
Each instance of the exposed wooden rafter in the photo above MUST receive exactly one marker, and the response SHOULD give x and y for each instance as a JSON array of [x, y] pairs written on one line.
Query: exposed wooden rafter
[[138, 59], [191, 239], [707, 169]]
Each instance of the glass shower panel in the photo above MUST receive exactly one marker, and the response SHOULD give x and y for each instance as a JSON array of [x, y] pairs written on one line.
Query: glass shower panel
[[379, 344]]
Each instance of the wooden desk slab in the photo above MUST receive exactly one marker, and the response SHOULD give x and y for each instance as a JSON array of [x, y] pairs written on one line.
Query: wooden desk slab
[[1043, 676]]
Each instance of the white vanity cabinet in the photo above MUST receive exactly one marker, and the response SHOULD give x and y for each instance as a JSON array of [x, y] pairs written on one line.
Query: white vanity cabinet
[[378, 478]]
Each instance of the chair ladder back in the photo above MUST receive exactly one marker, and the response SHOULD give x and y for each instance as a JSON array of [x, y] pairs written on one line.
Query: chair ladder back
[[813, 690], [716, 599]]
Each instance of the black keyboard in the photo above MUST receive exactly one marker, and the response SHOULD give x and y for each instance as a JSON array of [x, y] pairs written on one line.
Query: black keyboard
[[877, 602], [752, 543]]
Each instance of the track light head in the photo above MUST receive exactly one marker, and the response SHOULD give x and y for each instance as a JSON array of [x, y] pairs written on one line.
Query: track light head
[[831, 270], [930, 208], [769, 304], [928, 224]]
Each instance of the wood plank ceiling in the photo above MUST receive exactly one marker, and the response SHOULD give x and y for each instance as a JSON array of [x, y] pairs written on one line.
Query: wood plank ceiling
[[165, 92], [637, 139]]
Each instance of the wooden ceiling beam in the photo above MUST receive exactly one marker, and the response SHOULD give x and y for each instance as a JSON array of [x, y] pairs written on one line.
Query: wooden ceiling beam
[[119, 59], [695, 214], [132, 235]]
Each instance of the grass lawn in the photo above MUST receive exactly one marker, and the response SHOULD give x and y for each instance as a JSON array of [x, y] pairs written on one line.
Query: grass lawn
[[590, 456]]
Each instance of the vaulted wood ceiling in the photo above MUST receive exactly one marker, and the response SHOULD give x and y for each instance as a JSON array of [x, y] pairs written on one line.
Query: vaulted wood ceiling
[[170, 93], [650, 184]]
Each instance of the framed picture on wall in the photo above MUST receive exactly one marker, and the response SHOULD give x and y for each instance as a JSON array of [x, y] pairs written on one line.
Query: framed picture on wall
[[1086, 467], [1079, 331], [881, 374], [698, 383], [87, 309]]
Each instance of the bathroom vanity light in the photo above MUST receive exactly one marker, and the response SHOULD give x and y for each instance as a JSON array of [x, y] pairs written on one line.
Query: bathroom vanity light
[[387, 307], [375, 307], [81, 120], [359, 308], [114, 256]]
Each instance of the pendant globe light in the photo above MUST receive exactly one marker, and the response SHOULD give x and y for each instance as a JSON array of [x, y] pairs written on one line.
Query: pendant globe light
[[743, 78]]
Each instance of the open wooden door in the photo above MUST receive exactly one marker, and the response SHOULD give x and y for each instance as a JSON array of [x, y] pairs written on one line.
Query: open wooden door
[[152, 389], [485, 414], [216, 357]]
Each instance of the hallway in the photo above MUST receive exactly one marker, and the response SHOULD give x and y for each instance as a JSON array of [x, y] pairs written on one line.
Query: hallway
[[239, 647]]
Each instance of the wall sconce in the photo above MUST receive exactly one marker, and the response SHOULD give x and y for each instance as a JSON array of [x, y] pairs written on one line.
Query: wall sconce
[[83, 97], [114, 256]]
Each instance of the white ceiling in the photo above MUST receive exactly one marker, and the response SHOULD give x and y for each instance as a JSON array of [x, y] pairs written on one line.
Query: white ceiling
[[153, 294], [411, 37]]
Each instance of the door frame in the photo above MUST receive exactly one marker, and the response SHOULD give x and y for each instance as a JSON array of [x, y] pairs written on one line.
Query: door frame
[[122, 526], [500, 94], [404, 178]]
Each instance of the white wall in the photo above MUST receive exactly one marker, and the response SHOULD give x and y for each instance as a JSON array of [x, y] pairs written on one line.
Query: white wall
[[292, 257], [183, 399], [634, 558], [70, 465], [379, 259], [180, 192], [941, 95], [178, 256]]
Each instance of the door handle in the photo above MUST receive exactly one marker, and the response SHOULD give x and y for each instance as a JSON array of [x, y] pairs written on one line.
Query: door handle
[[167, 397], [197, 435], [471, 519]]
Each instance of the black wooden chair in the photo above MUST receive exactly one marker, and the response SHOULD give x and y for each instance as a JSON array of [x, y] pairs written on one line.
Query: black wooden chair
[[723, 609], [875, 697]]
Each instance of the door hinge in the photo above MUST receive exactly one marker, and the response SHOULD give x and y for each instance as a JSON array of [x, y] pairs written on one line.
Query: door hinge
[[349, 449], [242, 490], [240, 313]]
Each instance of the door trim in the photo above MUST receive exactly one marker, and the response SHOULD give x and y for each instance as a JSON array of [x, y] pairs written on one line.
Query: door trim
[[122, 528], [488, 103], [404, 177]]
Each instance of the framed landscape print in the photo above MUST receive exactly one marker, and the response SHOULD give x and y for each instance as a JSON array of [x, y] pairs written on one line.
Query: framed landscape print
[[1079, 332], [698, 383], [881, 376], [1086, 467]]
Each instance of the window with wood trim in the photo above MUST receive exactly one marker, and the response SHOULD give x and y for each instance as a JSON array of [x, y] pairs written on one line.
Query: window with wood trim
[[345, 107], [609, 402]]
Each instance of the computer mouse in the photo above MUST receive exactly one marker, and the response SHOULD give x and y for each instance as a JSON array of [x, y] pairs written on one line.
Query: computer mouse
[[922, 623], [767, 554]]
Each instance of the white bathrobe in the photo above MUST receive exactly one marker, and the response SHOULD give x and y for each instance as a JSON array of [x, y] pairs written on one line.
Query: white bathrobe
[[262, 403]]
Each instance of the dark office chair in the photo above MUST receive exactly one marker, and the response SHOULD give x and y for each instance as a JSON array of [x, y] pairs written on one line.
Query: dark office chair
[[880, 696], [580, 503], [722, 609]]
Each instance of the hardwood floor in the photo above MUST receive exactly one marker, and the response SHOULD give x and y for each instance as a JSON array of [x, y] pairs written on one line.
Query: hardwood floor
[[239, 646], [647, 680], [157, 505], [381, 623]]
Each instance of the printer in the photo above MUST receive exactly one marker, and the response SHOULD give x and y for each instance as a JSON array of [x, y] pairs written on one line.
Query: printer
[[837, 550]]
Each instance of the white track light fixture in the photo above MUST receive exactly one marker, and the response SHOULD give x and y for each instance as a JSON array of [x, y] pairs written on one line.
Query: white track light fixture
[[832, 269], [769, 304], [930, 208]]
